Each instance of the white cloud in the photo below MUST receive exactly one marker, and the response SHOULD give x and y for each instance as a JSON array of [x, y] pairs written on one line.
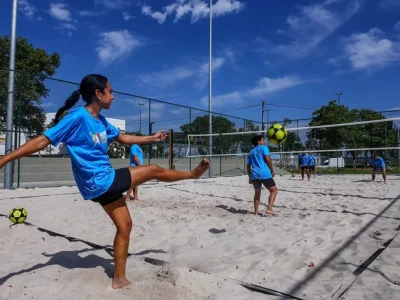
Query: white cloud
[[115, 45], [229, 99], [313, 24], [198, 9], [396, 26], [114, 4], [27, 8], [389, 4], [264, 85], [89, 13], [60, 12], [68, 26], [127, 16], [166, 78], [267, 85], [370, 50]]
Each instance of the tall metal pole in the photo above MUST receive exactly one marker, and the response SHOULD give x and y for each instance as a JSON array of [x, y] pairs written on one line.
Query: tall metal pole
[[338, 94], [262, 115], [210, 172], [140, 107], [8, 170]]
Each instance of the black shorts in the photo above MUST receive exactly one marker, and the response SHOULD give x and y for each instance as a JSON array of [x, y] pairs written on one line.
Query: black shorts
[[312, 168], [378, 170], [268, 183], [121, 184], [304, 167]]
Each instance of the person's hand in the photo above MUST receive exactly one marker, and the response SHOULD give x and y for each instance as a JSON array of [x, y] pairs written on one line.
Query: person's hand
[[250, 181], [159, 136], [273, 174]]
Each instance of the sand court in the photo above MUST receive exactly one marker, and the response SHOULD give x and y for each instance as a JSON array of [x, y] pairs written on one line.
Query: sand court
[[205, 230]]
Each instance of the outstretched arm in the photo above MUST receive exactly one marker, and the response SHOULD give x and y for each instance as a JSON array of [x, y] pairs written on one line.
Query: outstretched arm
[[135, 139], [30, 147]]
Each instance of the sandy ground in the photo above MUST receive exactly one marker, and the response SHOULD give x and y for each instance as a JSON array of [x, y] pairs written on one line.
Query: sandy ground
[[205, 229]]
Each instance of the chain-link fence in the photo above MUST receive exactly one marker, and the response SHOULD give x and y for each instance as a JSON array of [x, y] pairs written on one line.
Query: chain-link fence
[[37, 99]]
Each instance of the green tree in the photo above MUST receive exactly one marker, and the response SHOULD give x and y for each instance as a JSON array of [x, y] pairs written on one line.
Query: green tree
[[29, 87], [221, 144], [243, 141], [293, 142]]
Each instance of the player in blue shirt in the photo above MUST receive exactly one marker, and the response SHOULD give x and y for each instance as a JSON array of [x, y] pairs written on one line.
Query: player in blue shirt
[[261, 172], [312, 164], [378, 165], [86, 134], [305, 165], [136, 159]]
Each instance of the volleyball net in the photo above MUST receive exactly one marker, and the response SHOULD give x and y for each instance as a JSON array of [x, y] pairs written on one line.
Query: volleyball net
[[354, 143]]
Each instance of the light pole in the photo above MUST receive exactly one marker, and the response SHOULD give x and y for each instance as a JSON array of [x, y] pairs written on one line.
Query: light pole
[[210, 146], [338, 94], [140, 107], [9, 168]]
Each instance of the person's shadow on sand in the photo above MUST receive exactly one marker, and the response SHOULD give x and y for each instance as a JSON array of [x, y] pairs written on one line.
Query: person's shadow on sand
[[70, 260]]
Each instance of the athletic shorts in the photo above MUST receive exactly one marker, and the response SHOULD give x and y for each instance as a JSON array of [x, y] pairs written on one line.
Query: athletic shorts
[[268, 183], [378, 170], [312, 168], [121, 184], [304, 167]]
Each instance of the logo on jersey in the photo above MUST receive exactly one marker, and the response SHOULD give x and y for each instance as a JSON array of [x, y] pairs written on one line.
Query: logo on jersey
[[99, 138]]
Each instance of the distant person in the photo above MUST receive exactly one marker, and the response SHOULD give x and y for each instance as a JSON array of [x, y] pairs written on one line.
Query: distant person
[[378, 165], [261, 172], [136, 159], [312, 164], [305, 165]]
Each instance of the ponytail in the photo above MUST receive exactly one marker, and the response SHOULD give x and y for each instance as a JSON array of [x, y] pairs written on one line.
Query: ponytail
[[70, 102]]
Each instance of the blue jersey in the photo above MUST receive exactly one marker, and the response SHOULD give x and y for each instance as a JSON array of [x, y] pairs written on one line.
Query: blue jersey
[[259, 168], [378, 163], [86, 139], [304, 159], [136, 150], [312, 161]]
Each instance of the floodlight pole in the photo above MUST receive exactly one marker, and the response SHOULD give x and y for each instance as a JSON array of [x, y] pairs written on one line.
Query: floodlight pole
[[210, 98], [262, 115], [9, 168], [338, 94]]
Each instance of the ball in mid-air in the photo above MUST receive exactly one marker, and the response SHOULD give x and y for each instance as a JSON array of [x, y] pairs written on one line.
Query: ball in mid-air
[[277, 134], [18, 215]]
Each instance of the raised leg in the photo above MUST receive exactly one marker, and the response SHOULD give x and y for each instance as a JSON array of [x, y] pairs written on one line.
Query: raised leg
[[142, 174]]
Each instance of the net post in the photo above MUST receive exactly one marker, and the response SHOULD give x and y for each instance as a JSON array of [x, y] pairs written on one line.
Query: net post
[[220, 158], [170, 149], [190, 147]]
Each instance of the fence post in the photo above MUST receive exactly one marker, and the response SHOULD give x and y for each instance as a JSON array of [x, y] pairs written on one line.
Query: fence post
[[19, 125], [171, 147], [190, 148], [150, 145], [220, 158]]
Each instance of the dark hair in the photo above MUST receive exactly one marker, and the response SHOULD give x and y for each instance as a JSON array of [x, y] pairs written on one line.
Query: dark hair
[[255, 139], [89, 84]]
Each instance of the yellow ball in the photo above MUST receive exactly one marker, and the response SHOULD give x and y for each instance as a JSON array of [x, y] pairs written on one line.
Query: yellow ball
[[18, 215], [277, 134]]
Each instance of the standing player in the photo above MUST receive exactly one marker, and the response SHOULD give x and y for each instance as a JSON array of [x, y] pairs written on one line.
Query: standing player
[[261, 171], [86, 134], [312, 164], [378, 165], [305, 165], [136, 159]]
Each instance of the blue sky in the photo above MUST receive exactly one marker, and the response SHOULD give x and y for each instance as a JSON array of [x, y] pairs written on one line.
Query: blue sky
[[293, 52]]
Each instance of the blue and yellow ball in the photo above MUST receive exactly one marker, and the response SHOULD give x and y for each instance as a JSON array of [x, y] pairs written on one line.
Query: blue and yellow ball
[[277, 134], [18, 215]]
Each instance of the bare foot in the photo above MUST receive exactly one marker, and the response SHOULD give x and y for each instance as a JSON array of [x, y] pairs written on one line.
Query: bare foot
[[271, 212], [135, 198], [119, 283], [200, 169]]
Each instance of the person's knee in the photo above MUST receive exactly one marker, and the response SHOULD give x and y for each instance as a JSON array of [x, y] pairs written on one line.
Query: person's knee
[[125, 227], [155, 167]]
